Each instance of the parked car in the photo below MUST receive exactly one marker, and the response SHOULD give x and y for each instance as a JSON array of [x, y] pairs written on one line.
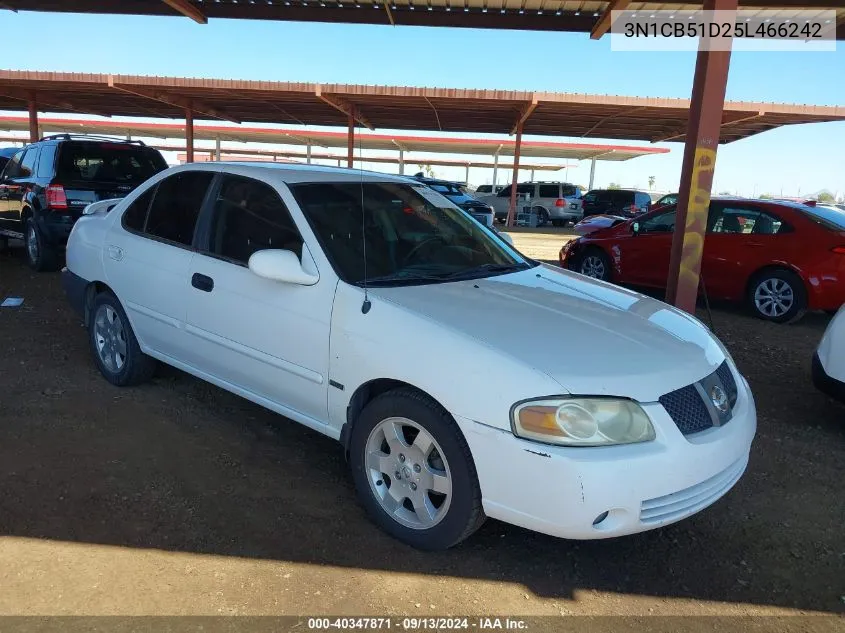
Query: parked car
[[555, 202], [6, 153], [623, 202], [669, 198], [370, 308], [779, 258], [453, 191], [45, 186], [829, 359], [487, 190]]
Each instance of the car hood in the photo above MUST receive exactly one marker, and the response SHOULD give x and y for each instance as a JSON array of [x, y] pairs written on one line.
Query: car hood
[[589, 336]]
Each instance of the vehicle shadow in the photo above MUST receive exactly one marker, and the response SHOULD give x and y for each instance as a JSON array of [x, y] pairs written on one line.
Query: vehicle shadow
[[180, 465]]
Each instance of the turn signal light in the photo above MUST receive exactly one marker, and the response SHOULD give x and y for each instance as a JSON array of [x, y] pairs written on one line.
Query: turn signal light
[[839, 249], [560, 202], [56, 198]]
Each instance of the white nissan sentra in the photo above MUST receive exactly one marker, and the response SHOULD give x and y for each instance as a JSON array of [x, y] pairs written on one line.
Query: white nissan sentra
[[462, 379]]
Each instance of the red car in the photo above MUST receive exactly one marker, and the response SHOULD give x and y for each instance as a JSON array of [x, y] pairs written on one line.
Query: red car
[[780, 258]]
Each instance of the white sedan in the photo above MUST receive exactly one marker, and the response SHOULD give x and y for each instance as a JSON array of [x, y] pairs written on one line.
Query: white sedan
[[371, 309]]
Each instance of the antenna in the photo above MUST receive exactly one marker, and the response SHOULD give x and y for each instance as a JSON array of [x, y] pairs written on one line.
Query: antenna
[[365, 307]]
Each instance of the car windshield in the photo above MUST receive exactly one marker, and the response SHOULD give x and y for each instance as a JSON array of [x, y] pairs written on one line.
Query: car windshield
[[410, 234], [453, 193], [108, 162], [827, 217]]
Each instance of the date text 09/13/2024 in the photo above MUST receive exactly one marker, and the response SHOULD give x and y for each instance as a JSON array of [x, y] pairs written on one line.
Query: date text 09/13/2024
[[417, 623]]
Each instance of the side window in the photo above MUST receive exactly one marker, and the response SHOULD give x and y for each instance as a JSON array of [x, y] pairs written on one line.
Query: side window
[[136, 215], [732, 220], [643, 199], [660, 223], [523, 189], [30, 158], [249, 216], [13, 167], [46, 160], [176, 206], [568, 191], [506, 192], [768, 224], [549, 191]]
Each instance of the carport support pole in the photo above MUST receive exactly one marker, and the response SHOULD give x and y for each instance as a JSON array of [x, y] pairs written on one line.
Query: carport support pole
[[33, 117], [401, 162], [350, 143], [308, 153], [702, 140], [592, 172], [189, 134], [217, 149], [495, 170], [532, 175], [466, 177], [516, 148]]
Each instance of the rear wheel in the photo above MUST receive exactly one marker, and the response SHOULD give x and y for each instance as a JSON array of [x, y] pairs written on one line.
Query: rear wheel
[[414, 472], [595, 263], [40, 256], [114, 346], [542, 216], [777, 295]]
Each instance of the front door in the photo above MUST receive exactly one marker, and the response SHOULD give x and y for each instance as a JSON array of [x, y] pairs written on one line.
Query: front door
[[267, 338], [644, 257], [9, 190]]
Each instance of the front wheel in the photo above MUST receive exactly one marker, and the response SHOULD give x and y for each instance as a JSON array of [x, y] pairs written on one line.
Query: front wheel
[[542, 216], [40, 256], [594, 263], [413, 471], [777, 295]]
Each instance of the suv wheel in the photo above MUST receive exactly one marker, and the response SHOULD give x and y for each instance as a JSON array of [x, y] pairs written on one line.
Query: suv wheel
[[414, 472], [542, 216], [39, 255]]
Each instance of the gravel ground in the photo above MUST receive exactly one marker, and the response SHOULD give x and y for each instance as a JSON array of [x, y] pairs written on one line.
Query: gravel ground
[[178, 498]]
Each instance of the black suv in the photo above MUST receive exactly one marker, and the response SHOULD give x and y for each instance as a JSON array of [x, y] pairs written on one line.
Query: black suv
[[46, 185], [455, 193], [622, 202]]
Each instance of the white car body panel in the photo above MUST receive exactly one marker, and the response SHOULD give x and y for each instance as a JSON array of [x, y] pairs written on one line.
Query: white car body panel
[[477, 347], [831, 349]]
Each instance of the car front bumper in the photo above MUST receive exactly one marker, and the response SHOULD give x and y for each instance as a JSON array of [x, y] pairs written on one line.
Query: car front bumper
[[563, 491]]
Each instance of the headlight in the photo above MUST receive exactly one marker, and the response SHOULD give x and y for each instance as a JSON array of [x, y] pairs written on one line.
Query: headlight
[[582, 421]]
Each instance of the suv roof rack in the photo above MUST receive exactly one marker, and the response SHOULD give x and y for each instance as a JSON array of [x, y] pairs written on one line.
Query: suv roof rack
[[89, 137]]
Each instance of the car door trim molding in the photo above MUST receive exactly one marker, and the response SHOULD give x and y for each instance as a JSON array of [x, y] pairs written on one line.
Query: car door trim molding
[[158, 316], [273, 361]]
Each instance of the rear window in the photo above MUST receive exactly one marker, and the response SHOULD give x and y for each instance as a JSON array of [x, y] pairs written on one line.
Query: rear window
[[549, 191], [108, 162], [828, 218]]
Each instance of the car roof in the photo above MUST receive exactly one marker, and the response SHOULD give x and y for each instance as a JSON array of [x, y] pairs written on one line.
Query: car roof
[[8, 152], [292, 172]]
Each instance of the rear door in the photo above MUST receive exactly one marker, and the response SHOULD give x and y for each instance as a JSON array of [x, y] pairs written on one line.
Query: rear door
[[91, 171], [8, 187], [644, 258], [21, 184], [147, 259]]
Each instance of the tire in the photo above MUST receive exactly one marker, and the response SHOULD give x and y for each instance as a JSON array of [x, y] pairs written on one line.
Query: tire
[[114, 346], [777, 295], [558, 222], [452, 516], [595, 263], [40, 256], [542, 216]]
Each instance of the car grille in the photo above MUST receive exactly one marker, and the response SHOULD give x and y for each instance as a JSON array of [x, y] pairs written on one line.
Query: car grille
[[689, 409], [677, 505]]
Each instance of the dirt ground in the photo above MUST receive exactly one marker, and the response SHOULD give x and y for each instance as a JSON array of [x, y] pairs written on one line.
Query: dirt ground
[[178, 498]]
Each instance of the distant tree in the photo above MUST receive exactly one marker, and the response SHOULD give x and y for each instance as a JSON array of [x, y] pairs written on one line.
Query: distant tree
[[614, 185], [826, 197], [766, 196], [651, 181], [427, 170], [724, 193]]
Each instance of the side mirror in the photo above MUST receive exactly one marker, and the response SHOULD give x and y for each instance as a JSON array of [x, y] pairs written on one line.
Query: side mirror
[[635, 228], [506, 238], [280, 265]]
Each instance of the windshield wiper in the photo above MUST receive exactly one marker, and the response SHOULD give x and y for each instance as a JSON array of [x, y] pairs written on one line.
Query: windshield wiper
[[488, 268], [400, 277]]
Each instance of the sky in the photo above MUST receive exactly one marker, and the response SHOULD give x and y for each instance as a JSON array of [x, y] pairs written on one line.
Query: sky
[[791, 160]]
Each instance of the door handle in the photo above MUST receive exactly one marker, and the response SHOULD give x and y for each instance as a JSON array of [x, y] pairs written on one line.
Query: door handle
[[202, 282]]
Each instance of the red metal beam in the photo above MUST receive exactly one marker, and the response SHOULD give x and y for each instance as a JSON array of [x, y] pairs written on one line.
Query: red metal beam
[[173, 100], [189, 133], [602, 25], [699, 164], [342, 105], [514, 181], [33, 117], [350, 142], [524, 114], [186, 8]]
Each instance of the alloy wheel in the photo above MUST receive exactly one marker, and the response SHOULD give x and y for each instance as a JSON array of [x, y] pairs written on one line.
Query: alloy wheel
[[774, 297], [110, 338]]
